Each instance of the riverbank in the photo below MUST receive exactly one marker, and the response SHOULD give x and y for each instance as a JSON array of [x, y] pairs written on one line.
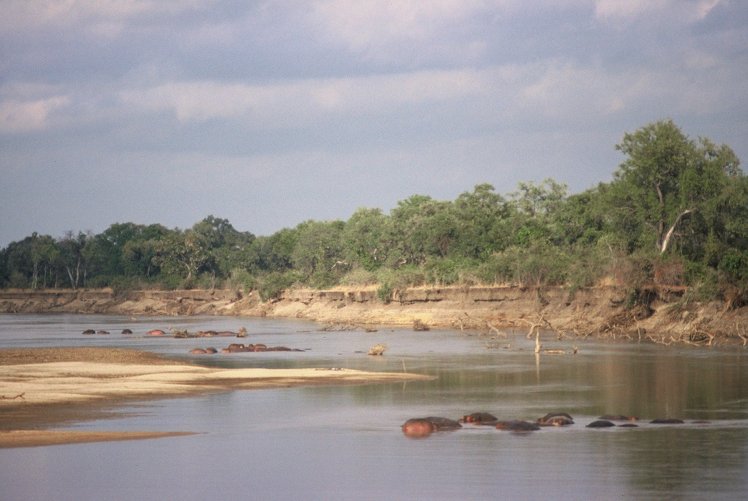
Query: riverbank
[[41, 388], [667, 316]]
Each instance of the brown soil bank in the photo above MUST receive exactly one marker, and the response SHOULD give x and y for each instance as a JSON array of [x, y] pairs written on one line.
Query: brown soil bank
[[665, 317]]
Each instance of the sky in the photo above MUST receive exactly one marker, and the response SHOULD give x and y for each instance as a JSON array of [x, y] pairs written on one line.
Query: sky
[[270, 113]]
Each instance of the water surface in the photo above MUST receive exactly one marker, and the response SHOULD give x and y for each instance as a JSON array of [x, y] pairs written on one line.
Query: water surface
[[345, 442]]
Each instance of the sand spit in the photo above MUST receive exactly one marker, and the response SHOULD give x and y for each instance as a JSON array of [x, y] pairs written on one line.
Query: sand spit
[[32, 387], [37, 438]]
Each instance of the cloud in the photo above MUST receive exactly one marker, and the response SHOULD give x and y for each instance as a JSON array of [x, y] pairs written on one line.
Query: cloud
[[406, 29], [685, 10], [297, 102], [26, 116], [104, 17]]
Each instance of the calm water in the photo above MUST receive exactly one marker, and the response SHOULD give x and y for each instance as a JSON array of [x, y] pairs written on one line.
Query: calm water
[[345, 442]]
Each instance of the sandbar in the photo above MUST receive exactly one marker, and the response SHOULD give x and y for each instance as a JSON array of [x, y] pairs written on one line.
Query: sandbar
[[40, 386]]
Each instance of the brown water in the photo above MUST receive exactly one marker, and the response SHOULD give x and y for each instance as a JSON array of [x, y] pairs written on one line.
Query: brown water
[[345, 442]]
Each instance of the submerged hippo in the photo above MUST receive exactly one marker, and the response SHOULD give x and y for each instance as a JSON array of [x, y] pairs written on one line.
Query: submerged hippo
[[126, 331], [89, 332], [203, 351], [601, 423], [423, 427], [618, 417], [480, 418], [517, 426], [256, 348], [667, 421], [555, 419]]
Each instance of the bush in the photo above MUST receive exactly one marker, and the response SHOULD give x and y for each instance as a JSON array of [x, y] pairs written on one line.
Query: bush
[[384, 293], [402, 278], [241, 279], [539, 265], [358, 278], [273, 284]]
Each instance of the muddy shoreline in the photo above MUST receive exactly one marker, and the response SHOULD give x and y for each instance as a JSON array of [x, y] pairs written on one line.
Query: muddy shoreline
[[668, 317]]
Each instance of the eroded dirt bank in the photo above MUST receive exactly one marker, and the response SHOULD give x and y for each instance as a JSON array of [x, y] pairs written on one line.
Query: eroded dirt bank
[[600, 311]]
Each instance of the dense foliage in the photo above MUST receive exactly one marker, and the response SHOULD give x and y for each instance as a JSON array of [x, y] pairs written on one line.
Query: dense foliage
[[675, 213]]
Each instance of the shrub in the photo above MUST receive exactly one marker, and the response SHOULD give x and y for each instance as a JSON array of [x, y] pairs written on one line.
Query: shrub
[[358, 277], [384, 293], [273, 284]]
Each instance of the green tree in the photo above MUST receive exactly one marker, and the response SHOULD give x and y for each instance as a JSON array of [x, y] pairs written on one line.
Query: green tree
[[648, 184], [72, 257], [182, 254], [363, 238], [481, 216], [227, 247], [318, 254]]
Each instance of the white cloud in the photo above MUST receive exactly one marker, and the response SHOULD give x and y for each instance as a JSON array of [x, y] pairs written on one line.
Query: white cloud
[[624, 10], [104, 17], [386, 31], [27, 116], [295, 102]]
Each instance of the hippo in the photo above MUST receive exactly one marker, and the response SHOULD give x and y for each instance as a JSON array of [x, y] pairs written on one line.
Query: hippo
[[236, 348], [203, 351], [667, 421], [102, 332], [601, 423], [618, 417], [126, 331], [480, 418], [155, 332], [555, 419], [423, 427], [88, 332], [517, 426], [418, 428]]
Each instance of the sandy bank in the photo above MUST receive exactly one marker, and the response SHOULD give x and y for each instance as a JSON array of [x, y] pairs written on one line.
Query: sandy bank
[[33, 389], [669, 315], [36, 438]]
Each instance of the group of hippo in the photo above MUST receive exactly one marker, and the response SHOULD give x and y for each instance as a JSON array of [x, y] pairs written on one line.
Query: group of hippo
[[182, 334], [423, 427], [177, 333], [89, 332], [241, 348]]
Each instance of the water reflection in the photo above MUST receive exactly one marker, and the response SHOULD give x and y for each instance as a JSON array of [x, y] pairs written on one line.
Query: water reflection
[[345, 442]]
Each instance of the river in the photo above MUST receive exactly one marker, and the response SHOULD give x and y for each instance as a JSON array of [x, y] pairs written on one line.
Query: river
[[345, 442]]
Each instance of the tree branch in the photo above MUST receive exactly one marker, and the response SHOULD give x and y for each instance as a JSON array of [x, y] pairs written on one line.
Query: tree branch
[[669, 233]]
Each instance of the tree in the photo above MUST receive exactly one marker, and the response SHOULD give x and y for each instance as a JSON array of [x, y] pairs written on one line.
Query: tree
[[666, 179], [72, 257], [363, 238], [318, 253], [481, 216], [534, 210], [421, 227], [181, 254], [225, 245]]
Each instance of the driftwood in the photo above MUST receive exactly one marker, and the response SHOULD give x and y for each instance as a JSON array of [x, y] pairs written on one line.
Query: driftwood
[[20, 395], [377, 349]]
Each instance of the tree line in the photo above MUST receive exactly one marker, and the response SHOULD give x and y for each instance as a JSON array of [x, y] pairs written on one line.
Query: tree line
[[674, 214]]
